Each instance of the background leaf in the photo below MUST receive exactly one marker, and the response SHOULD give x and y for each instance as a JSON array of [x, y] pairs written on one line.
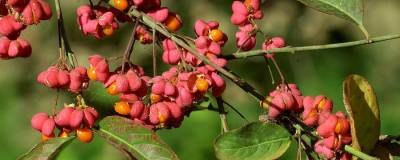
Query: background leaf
[[48, 149], [255, 141], [387, 148], [362, 107], [134, 139], [351, 10]]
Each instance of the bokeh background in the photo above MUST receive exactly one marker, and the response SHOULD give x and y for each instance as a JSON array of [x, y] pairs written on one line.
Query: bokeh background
[[317, 72]]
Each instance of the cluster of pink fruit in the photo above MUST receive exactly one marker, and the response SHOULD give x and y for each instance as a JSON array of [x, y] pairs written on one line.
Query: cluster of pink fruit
[[15, 15], [100, 21], [74, 80], [171, 96], [69, 119], [244, 14], [97, 21], [333, 129]]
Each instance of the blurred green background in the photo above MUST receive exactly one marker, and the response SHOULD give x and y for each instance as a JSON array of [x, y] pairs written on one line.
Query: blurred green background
[[318, 72]]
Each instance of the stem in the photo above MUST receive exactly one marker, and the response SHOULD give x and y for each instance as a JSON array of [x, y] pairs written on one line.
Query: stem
[[63, 43], [129, 47], [236, 111], [278, 69], [199, 108], [270, 71], [358, 153], [222, 114], [289, 49], [160, 28], [154, 54]]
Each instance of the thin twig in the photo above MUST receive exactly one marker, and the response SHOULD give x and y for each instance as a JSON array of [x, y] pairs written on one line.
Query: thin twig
[[289, 49], [358, 153], [154, 54], [129, 48], [222, 114], [278, 69], [270, 71], [65, 50], [236, 111]]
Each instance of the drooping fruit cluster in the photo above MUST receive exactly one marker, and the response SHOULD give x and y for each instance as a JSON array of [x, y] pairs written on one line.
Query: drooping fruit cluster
[[100, 21], [67, 120], [15, 16], [75, 80], [244, 14], [171, 95], [96, 21], [332, 129]]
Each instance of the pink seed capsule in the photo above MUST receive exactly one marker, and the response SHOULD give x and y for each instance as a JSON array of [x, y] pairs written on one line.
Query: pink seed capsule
[[26, 48], [170, 89], [153, 115], [131, 98], [145, 114], [76, 118], [37, 10], [51, 79], [137, 109], [47, 13], [273, 112], [184, 98], [48, 127], [135, 83], [163, 112], [159, 15], [289, 100], [326, 152], [14, 49], [122, 84], [4, 45], [89, 119], [327, 128], [332, 142], [63, 117], [106, 18], [38, 119], [175, 110], [158, 87], [63, 78], [93, 112]]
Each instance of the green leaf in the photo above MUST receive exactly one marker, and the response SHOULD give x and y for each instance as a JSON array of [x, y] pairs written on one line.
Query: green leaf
[[362, 107], [48, 149], [134, 139], [255, 141], [351, 10]]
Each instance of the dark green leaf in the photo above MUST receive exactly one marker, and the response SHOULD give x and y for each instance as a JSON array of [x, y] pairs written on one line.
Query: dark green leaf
[[48, 149], [387, 148], [134, 139], [351, 10], [255, 141], [362, 107]]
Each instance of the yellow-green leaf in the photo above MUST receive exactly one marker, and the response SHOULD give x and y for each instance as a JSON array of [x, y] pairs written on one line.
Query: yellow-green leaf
[[48, 149], [362, 107]]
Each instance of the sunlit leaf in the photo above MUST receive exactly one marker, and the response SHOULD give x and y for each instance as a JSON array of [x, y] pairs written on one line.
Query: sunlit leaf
[[134, 139], [255, 141], [351, 10], [48, 149]]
